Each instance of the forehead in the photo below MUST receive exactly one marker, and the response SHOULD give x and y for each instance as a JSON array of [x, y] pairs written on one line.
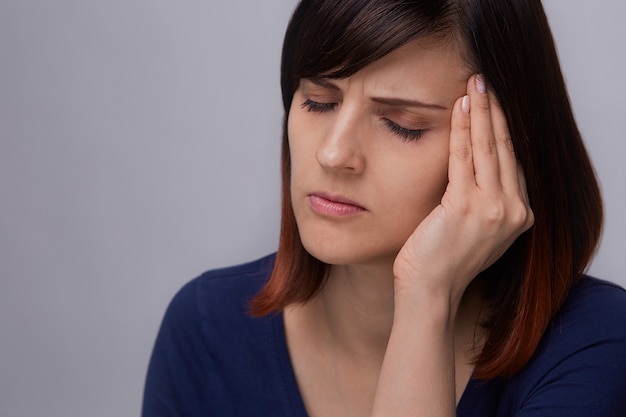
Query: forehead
[[432, 71], [426, 61]]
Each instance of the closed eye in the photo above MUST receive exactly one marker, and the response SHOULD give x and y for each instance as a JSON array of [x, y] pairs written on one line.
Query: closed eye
[[407, 135], [314, 106]]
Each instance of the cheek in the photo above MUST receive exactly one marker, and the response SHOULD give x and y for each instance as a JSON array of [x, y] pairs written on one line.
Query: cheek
[[435, 179], [293, 136], [420, 181], [297, 146], [301, 151], [297, 127], [291, 125]]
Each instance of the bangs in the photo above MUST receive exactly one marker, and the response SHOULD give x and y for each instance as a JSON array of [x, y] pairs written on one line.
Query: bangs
[[337, 39]]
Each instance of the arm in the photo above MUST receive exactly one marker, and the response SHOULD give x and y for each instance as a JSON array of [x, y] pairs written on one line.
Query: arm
[[579, 370], [173, 381], [484, 209]]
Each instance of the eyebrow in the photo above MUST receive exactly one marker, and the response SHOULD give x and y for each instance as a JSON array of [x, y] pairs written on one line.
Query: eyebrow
[[390, 101], [400, 102]]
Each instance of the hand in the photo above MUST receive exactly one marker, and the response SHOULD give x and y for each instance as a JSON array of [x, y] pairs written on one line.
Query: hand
[[483, 210]]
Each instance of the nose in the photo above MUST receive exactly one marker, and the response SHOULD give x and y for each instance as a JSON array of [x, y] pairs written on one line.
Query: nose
[[341, 150]]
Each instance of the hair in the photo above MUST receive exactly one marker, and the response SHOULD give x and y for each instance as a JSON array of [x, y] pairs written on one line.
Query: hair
[[509, 42]]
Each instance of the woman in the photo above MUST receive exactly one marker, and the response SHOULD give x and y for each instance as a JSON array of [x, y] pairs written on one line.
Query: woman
[[439, 209]]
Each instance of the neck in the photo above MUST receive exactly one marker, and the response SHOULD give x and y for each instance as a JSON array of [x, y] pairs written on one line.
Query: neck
[[355, 310], [341, 335], [356, 307]]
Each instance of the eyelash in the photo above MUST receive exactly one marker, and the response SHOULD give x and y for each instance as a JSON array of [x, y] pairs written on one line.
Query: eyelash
[[406, 135], [314, 106]]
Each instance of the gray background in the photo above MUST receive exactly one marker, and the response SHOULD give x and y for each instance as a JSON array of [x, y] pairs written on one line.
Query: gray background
[[139, 146]]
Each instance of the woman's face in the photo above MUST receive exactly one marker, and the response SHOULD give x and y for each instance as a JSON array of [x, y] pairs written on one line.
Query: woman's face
[[369, 153]]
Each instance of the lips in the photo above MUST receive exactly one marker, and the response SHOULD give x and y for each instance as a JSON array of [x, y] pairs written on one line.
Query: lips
[[334, 206]]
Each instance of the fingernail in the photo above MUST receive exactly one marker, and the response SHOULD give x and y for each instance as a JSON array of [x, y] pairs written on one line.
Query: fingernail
[[480, 84], [465, 104]]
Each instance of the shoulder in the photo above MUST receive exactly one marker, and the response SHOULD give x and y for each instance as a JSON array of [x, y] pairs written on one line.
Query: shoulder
[[590, 324], [595, 310], [239, 278], [579, 367], [221, 291], [208, 344], [589, 329], [213, 306], [596, 294]]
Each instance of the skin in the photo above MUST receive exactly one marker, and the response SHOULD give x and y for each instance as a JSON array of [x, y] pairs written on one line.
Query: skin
[[395, 330]]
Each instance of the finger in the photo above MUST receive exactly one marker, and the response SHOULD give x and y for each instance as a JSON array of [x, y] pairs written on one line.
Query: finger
[[484, 148], [461, 166], [507, 162], [530, 215]]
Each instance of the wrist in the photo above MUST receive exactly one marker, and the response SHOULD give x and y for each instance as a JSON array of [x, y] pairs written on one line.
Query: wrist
[[428, 305], [437, 291]]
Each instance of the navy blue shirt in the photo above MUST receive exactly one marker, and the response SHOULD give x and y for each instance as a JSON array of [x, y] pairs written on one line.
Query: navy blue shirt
[[213, 359]]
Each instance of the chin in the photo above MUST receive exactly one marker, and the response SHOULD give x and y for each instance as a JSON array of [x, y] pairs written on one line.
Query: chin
[[336, 253]]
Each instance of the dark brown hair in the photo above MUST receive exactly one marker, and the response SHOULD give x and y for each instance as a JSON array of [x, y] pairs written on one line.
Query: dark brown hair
[[509, 42]]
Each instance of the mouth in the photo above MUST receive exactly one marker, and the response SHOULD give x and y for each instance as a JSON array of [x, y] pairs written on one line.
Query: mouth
[[334, 206]]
